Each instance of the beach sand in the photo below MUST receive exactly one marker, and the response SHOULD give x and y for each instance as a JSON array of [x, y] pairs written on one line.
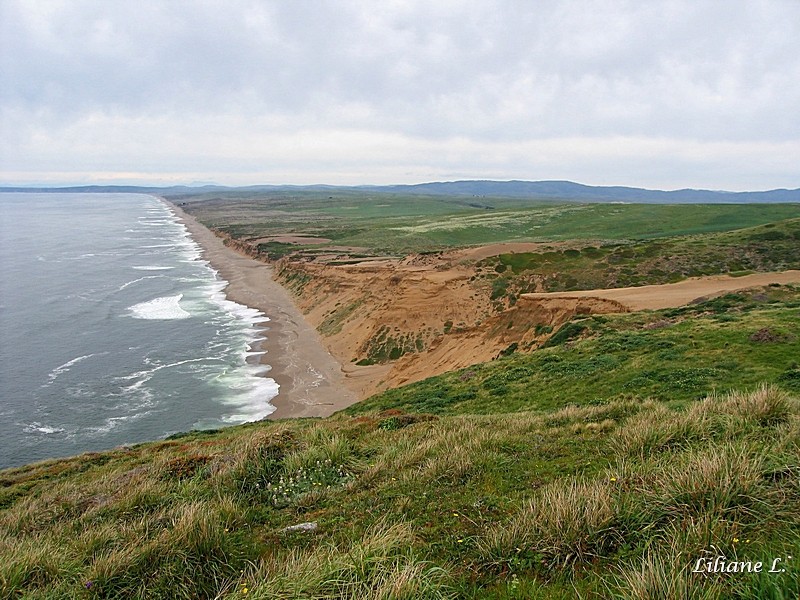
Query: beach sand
[[311, 381]]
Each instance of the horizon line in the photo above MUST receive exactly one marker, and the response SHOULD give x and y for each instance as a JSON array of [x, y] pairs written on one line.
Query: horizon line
[[201, 185]]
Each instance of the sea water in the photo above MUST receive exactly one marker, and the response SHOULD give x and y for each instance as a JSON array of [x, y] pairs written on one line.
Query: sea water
[[113, 330]]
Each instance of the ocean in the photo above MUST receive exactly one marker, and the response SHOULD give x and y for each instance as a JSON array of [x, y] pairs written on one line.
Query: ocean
[[114, 331]]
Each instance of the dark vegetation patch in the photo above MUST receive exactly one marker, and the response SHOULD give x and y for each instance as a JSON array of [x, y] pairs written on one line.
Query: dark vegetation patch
[[185, 467], [765, 335], [568, 331], [387, 345], [275, 250]]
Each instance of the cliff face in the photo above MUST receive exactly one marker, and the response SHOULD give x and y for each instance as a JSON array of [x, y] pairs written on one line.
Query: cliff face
[[396, 322], [391, 322], [524, 326], [242, 247]]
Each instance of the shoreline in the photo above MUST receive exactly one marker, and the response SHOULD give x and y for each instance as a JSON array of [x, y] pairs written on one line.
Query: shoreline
[[311, 381]]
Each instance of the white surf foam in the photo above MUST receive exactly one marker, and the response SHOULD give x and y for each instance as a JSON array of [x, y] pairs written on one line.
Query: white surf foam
[[165, 308], [61, 369], [124, 285], [145, 375], [37, 427], [112, 423], [251, 401], [152, 268], [251, 316]]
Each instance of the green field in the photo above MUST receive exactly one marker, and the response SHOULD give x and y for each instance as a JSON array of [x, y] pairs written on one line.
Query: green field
[[396, 224]]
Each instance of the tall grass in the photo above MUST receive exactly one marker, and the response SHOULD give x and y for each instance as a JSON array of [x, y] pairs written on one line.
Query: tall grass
[[657, 578], [563, 523], [613, 500], [712, 419], [687, 485], [380, 565]]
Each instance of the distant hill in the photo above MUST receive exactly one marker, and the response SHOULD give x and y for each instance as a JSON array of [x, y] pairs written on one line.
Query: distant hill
[[554, 190], [568, 190]]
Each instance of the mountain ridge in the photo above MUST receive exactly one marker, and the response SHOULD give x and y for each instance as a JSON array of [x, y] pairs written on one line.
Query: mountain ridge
[[521, 189]]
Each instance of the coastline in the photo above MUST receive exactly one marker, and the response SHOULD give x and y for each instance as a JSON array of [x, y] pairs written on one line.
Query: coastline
[[312, 382]]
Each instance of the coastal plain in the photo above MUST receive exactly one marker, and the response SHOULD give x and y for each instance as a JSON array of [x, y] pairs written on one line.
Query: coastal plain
[[532, 399]]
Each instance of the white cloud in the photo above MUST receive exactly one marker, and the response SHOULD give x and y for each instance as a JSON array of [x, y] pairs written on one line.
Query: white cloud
[[661, 94]]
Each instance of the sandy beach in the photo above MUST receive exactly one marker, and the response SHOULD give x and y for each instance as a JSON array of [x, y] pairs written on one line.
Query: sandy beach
[[311, 380]]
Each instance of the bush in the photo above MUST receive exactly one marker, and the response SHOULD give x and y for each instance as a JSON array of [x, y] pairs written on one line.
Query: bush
[[568, 331]]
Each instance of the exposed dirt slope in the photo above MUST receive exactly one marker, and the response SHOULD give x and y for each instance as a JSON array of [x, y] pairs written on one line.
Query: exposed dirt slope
[[398, 321], [376, 313], [526, 324]]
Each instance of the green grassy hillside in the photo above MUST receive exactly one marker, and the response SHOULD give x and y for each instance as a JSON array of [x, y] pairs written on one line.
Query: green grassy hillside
[[616, 500], [596, 468]]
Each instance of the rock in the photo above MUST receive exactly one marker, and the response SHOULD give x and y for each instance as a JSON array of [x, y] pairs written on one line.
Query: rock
[[310, 526]]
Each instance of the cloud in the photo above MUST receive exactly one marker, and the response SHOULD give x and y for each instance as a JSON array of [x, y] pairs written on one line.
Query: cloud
[[357, 92]]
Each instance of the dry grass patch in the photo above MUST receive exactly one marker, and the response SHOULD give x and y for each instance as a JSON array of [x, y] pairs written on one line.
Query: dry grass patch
[[726, 481], [768, 406], [381, 565], [34, 562], [715, 418], [563, 523]]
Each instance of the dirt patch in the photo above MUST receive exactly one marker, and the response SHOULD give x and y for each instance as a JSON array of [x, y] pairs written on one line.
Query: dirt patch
[[765, 335], [671, 295], [524, 326]]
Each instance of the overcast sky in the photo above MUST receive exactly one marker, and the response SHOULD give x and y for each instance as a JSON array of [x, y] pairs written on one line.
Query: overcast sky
[[655, 94]]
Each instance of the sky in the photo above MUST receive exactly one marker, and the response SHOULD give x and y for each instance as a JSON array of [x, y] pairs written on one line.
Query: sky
[[658, 94]]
